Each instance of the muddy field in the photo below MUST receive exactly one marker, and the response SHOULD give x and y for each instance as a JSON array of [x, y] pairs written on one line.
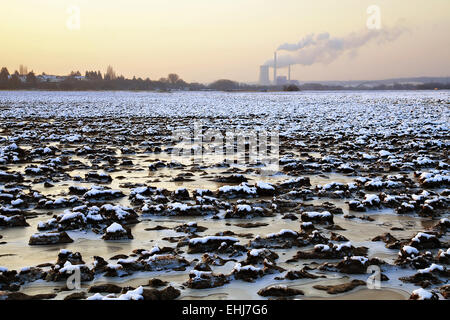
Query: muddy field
[[90, 185]]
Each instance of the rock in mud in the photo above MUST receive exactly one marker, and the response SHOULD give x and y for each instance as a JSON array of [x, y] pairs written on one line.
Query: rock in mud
[[341, 288], [13, 221], [422, 294], [109, 288], [425, 241], [430, 275], [257, 256], [296, 182], [157, 283], [279, 291], [98, 177], [445, 291], [410, 256], [117, 232], [247, 273], [353, 265], [443, 256], [63, 273], [76, 296], [210, 243], [251, 224], [166, 262], [283, 239], [390, 240], [100, 193], [330, 251], [205, 280], [190, 227], [49, 238], [22, 296], [301, 274], [169, 293], [324, 217], [30, 274]]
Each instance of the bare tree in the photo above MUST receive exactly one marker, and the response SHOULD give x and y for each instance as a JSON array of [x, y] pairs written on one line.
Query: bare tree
[[4, 74], [173, 78], [110, 73], [31, 78]]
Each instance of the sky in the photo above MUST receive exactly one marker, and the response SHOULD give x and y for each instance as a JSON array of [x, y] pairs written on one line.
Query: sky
[[206, 40]]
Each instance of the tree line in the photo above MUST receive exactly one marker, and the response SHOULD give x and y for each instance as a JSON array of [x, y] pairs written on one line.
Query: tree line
[[13, 81], [92, 80], [95, 80]]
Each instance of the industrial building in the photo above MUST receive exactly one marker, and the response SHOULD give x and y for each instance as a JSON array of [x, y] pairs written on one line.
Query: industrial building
[[281, 81], [277, 80], [264, 75]]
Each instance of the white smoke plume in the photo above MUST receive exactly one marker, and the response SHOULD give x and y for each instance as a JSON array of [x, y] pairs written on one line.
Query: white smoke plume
[[309, 40], [323, 48]]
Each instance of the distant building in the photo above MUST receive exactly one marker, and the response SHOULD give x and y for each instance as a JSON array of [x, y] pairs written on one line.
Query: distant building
[[275, 68], [52, 78], [49, 78], [264, 75], [281, 81]]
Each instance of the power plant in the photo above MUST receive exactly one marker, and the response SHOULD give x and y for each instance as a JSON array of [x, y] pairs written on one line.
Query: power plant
[[264, 75], [275, 68], [277, 80]]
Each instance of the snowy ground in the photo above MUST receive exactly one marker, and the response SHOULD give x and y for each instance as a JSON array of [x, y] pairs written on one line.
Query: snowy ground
[[93, 172]]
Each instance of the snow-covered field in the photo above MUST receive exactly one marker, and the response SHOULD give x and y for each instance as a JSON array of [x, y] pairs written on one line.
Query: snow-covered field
[[354, 106], [89, 183]]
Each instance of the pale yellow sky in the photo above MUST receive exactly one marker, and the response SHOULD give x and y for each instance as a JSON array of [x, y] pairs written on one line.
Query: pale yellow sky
[[204, 40]]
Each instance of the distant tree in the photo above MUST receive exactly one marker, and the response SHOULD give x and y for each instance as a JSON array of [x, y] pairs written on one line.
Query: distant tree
[[195, 86], [4, 72], [291, 87], [4, 77], [31, 78], [313, 86], [173, 78], [15, 82], [92, 75], [110, 73], [181, 83], [224, 85]]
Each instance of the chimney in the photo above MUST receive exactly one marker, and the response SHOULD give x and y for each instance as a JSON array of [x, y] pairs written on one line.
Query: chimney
[[275, 68], [289, 73]]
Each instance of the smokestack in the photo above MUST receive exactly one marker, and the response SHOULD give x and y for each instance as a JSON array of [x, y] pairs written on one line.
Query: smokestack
[[289, 73], [275, 68]]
